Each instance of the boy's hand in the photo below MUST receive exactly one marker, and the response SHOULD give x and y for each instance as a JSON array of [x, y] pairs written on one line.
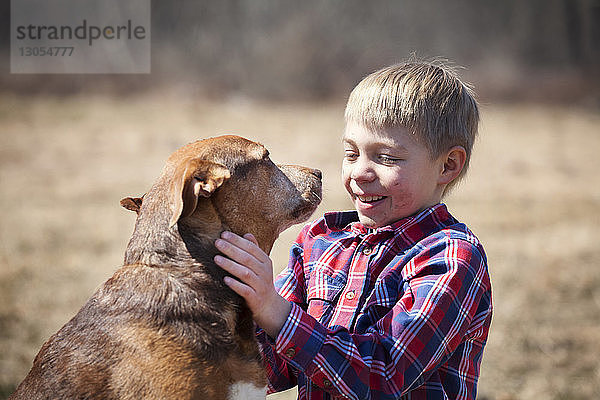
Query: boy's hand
[[254, 269]]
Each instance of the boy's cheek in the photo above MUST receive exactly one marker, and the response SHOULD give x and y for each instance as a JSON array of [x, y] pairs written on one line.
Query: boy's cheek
[[345, 175], [346, 183]]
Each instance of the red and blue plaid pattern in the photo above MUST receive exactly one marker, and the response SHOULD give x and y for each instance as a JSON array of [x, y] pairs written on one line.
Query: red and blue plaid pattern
[[399, 311]]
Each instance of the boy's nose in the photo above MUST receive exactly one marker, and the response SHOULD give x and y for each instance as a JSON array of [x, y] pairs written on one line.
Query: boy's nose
[[362, 171]]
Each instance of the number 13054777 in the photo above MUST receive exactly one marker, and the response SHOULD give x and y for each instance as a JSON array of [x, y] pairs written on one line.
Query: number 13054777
[[43, 51]]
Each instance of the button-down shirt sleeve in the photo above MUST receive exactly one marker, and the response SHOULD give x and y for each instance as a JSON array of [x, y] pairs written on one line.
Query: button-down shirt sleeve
[[282, 375]]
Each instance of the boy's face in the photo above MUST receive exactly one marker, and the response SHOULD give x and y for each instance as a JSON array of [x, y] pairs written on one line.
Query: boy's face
[[388, 174]]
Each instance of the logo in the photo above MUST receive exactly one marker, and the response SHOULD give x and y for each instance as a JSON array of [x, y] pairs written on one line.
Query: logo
[[80, 36]]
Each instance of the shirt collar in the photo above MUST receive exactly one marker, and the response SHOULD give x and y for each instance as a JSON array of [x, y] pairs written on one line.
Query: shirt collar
[[412, 228]]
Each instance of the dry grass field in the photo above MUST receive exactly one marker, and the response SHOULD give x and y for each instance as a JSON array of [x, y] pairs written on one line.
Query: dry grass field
[[532, 196]]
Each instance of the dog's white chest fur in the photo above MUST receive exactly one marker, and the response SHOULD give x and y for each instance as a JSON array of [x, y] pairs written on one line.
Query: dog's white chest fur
[[246, 391]]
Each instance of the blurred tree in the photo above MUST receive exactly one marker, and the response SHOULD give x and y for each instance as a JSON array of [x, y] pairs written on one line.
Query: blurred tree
[[320, 48]]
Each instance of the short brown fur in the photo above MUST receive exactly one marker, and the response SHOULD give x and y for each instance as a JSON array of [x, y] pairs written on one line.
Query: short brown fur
[[165, 326]]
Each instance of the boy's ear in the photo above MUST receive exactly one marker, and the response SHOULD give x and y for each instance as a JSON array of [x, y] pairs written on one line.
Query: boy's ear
[[193, 179], [454, 162]]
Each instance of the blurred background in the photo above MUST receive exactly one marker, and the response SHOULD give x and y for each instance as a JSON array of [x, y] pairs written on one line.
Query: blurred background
[[279, 72]]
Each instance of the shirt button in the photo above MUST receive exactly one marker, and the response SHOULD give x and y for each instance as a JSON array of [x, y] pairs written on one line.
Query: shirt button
[[350, 295], [367, 251], [290, 352], [326, 383]]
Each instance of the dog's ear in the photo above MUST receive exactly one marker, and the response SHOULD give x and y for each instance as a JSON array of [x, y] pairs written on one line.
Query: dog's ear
[[194, 179], [132, 203]]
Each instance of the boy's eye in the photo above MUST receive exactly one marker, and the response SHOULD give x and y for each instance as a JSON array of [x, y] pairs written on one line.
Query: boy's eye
[[350, 155], [385, 159]]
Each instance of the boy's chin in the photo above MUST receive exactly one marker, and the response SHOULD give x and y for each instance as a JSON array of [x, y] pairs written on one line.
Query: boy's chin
[[373, 222], [369, 222]]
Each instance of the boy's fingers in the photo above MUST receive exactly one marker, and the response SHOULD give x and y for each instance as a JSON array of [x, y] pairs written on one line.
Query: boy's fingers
[[241, 272], [257, 251], [250, 237], [236, 253], [243, 290], [248, 243], [236, 240]]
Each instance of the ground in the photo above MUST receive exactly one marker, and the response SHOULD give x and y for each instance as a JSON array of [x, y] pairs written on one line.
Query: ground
[[532, 196]]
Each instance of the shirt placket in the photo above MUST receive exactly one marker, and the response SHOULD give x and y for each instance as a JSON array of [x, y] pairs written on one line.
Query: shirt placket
[[353, 292]]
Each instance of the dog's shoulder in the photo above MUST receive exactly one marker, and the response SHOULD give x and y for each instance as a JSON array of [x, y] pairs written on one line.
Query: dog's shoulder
[[187, 300]]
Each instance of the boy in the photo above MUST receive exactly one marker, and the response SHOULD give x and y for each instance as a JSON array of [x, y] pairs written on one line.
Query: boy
[[392, 299]]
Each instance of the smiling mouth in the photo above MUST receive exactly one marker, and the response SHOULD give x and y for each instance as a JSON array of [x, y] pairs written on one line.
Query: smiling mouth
[[370, 199]]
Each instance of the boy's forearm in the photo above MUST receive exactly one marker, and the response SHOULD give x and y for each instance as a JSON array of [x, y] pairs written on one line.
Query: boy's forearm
[[279, 374]]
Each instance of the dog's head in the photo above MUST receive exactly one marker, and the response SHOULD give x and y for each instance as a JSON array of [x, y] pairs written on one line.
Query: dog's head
[[230, 181]]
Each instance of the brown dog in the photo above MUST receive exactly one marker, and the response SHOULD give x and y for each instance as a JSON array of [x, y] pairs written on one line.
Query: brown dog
[[165, 326]]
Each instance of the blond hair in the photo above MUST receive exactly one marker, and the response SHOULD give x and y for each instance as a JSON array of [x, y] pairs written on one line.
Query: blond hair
[[427, 98]]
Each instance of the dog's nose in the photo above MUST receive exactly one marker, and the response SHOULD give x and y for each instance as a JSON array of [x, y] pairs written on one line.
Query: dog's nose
[[317, 173]]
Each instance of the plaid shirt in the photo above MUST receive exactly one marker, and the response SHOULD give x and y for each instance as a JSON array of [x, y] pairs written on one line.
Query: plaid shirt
[[402, 310]]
